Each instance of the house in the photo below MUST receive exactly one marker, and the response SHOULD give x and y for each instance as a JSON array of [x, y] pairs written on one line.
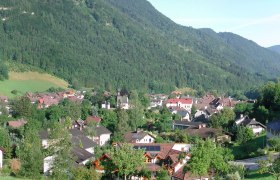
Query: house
[[256, 126], [122, 102], [106, 105], [183, 113], [165, 154], [82, 148], [78, 139], [16, 124], [185, 103], [139, 137], [181, 175], [102, 135], [95, 119], [157, 155], [156, 100], [186, 125], [209, 133]]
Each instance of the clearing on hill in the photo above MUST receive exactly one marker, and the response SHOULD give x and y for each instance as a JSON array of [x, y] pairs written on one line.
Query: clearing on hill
[[22, 82]]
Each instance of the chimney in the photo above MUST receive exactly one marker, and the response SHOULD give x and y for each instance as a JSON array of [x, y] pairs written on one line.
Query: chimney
[[241, 116]]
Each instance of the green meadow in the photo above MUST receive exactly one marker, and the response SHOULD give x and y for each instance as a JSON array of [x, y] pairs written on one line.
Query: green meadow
[[23, 82]]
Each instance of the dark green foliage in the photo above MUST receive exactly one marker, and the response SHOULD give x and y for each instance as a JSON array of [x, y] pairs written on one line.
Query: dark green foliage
[[222, 119], [22, 107], [268, 104], [109, 119], [5, 142], [3, 71], [244, 134], [274, 143], [86, 109], [30, 154], [243, 108], [209, 157], [127, 43]]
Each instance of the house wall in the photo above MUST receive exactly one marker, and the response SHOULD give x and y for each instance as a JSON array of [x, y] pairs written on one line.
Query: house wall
[[179, 104], [45, 143], [182, 147], [1, 159], [48, 161], [146, 139], [179, 165], [90, 150], [103, 139], [257, 130]]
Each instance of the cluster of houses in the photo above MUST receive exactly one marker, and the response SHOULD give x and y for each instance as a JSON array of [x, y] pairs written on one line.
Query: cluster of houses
[[171, 156]]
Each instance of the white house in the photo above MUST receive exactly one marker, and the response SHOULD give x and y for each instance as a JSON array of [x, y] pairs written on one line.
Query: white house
[[183, 113], [139, 137], [256, 126], [185, 103], [1, 158]]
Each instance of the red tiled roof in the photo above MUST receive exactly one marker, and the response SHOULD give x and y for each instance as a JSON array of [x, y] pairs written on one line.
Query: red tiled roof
[[93, 118], [183, 101], [17, 124]]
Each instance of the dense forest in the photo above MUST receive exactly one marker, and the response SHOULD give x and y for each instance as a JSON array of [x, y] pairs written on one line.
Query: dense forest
[[128, 43], [275, 48]]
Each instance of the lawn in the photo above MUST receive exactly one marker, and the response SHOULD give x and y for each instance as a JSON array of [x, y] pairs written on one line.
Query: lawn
[[254, 175], [10, 178], [29, 82], [250, 148]]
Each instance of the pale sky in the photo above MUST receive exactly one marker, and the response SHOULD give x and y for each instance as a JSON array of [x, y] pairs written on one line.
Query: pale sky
[[257, 20]]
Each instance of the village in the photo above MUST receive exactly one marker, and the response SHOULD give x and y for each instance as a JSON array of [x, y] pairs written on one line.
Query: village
[[173, 123]]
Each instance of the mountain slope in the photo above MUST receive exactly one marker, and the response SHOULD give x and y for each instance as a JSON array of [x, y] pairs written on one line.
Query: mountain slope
[[127, 43], [275, 48]]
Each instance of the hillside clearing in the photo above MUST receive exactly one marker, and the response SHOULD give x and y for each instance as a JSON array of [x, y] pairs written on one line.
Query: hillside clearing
[[24, 82]]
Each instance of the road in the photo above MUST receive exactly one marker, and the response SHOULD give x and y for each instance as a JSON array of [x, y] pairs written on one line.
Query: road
[[252, 163]]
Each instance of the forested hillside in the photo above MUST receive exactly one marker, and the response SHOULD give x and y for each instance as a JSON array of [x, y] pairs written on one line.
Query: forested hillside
[[275, 48], [127, 43]]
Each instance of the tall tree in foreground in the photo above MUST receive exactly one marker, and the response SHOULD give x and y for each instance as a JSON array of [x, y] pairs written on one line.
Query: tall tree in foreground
[[126, 160], [5, 141], [61, 151], [30, 154], [122, 126], [209, 157]]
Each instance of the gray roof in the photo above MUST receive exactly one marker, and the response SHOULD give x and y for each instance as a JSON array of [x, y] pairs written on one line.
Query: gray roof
[[122, 99], [78, 138], [187, 123], [102, 130], [131, 137], [80, 154], [246, 121]]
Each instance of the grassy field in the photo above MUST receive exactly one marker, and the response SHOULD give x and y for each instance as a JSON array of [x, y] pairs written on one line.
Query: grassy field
[[29, 82]]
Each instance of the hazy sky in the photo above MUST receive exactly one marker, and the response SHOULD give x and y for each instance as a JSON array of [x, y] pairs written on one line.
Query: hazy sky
[[257, 20]]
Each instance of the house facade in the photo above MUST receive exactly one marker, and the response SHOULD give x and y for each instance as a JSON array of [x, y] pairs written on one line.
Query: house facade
[[139, 137], [256, 126], [185, 103]]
